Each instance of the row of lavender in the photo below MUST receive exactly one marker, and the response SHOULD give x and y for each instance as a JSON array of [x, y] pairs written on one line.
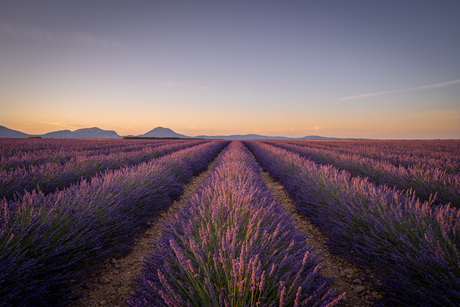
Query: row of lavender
[[47, 243], [50, 176], [426, 182], [15, 155], [232, 245], [423, 154], [412, 248], [13, 147]]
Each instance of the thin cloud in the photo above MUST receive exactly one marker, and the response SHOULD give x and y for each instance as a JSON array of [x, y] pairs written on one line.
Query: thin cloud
[[440, 115], [367, 95], [74, 38], [75, 125], [425, 87], [62, 124]]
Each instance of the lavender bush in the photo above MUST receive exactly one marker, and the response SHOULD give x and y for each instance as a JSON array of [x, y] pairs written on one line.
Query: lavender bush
[[422, 154], [50, 242], [15, 147], [49, 177], [412, 248], [233, 245], [20, 156], [426, 183]]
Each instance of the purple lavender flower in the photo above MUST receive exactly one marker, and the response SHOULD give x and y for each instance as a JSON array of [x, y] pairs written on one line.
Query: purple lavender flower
[[239, 234], [410, 246], [48, 240]]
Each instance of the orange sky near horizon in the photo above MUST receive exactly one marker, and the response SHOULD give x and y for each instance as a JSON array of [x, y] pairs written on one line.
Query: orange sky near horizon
[[338, 69]]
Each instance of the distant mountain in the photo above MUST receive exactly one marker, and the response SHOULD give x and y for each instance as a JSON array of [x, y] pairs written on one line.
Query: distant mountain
[[10, 133], [85, 133], [243, 137], [61, 134], [160, 132], [95, 133], [263, 137]]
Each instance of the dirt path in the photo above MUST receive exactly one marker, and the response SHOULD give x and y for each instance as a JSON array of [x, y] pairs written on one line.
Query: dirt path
[[113, 287], [346, 275]]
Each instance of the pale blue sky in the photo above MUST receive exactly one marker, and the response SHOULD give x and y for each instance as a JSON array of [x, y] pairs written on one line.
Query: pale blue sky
[[376, 69]]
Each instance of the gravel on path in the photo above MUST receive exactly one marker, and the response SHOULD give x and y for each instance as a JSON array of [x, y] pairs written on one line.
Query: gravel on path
[[347, 277]]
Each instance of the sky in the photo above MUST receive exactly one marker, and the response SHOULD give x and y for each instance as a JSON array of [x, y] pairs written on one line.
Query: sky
[[362, 69]]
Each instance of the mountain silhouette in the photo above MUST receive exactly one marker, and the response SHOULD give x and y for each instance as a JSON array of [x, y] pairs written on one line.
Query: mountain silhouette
[[10, 133], [85, 133], [158, 132]]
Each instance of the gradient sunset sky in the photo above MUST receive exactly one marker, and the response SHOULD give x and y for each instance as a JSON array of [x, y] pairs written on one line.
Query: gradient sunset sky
[[364, 69]]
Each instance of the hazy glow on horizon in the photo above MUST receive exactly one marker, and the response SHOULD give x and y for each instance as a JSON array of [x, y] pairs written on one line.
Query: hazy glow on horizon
[[356, 69]]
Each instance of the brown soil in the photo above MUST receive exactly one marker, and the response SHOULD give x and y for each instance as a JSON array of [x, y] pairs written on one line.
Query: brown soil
[[347, 277]]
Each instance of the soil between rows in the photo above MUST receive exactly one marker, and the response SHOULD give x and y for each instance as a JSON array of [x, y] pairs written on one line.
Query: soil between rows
[[112, 288], [347, 277]]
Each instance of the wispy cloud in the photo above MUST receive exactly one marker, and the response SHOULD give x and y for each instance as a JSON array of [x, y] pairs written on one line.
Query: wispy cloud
[[425, 87], [74, 37], [445, 115], [367, 95], [63, 124]]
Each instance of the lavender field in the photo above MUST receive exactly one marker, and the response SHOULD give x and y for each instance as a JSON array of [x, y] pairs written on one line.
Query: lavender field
[[49, 242], [411, 245], [389, 207], [232, 246]]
